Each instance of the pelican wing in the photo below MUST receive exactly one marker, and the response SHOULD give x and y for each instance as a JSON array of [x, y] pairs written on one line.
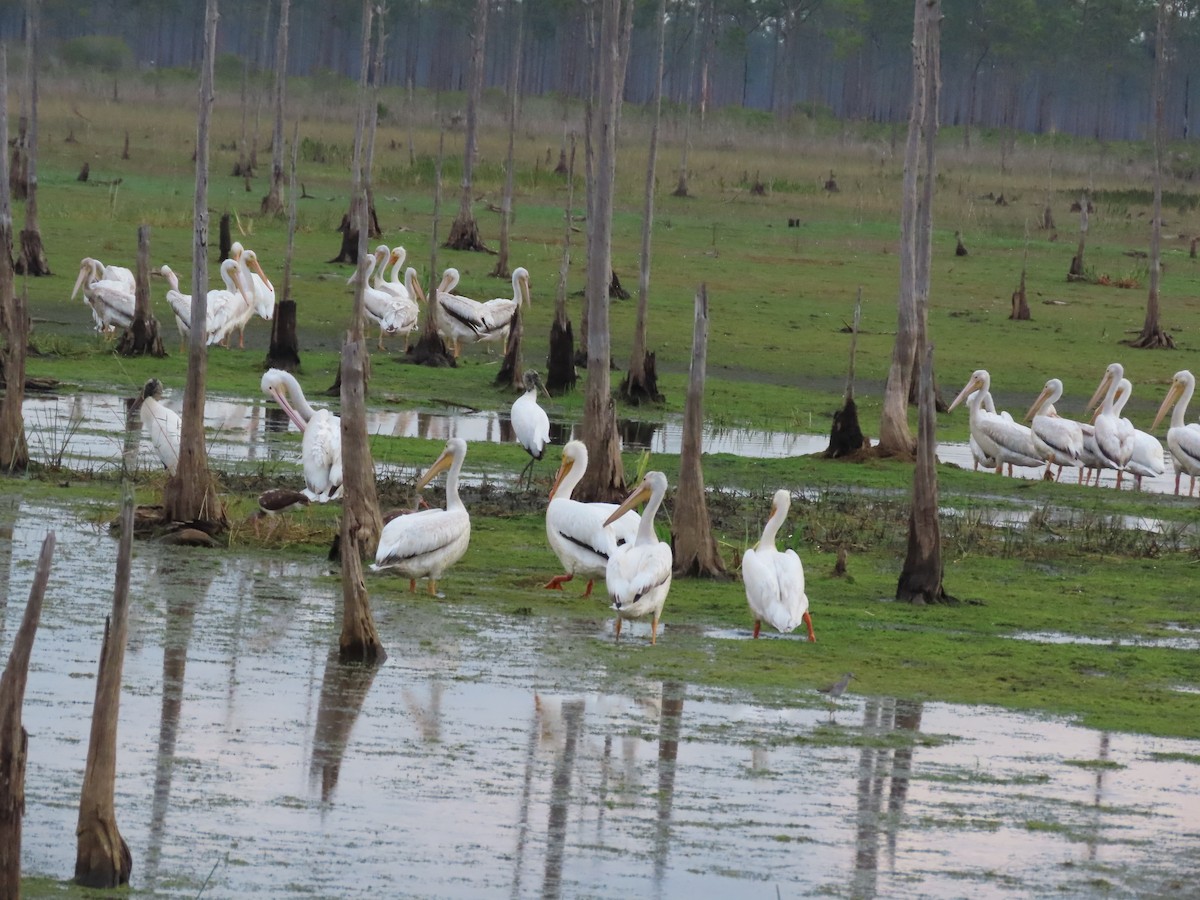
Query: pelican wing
[[1147, 459], [321, 453], [636, 570], [468, 313], [112, 303], [775, 587], [1013, 440], [1184, 444], [163, 426], [1062, 437], [578, 536], [409, 538]]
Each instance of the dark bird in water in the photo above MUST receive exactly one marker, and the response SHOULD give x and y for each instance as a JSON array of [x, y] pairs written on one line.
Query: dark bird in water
[[279, 500]]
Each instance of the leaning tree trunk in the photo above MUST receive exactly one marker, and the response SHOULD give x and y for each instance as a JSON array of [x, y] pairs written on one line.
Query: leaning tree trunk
[[640, 384], [141, 338], [272, 204], [284, 351], [895, 437], [560, 364], [605, 477], [506, 205], [14, 741], [464, 233], [921, 577], [190, 494], [692, 543], [1152, 335], [102, 858], [32, 260], [14, 317]]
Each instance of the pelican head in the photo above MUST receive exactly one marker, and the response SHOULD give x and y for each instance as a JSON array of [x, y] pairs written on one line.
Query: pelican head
[[1180, 384], [250, 258], [277, 384], [449, 281], [236, 250], [152, 388], [654, 484], [413, 285], [1112, 377], [574, 454], [397, 256], [87, 266], [456, 449], [1050, 394], [520, 280], [980, 380]]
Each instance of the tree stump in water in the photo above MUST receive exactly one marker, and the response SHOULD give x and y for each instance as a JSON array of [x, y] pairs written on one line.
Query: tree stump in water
[[845, 437]]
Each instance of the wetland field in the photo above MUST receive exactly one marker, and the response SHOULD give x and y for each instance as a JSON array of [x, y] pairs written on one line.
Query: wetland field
[[1039, 736]]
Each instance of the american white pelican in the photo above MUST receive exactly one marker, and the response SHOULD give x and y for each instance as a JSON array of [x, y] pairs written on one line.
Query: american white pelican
[[382, 305], [391, 280], [223, 305], [162, 425], [403, 315], [1183, 440], [463, 319], [775, 581], [576, 530], [638, 574], [321, 446], [425, 544], [276, 501], [530, 422], [98, 271], [998, 436], [1114, 435], [1059, 441], [111, 299], [501, 310], [1147, 457], [258, 288]]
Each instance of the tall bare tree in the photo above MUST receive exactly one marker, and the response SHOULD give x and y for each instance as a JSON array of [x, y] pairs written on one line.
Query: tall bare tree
[[14, 741], [141, 338], [430, 349], [605, 476], [32, 260], [692, 543], [284, 350], [1152, 335], [560, 363], [681, 187], [191, 494], [641, 381], [14, 317], [272, 204], [464, 233], [514, 90]]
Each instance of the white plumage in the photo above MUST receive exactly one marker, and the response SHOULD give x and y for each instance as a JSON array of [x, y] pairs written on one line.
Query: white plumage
[[576, 530], [224, 305], [775, 581], [638, 575], [425, 544], [321, 446], [999, 438], [530, 422], [1146, 457], [1183, 440], [109, 291], [1113, 435], [163, 426], [258, 289], [463, 319], [1059, 441]]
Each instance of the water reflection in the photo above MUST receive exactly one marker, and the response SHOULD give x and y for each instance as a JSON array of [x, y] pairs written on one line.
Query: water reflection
[[343, 692]]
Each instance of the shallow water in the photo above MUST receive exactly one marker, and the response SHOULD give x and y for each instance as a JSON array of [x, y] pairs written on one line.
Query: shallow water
[[472, 764], [88, 431]]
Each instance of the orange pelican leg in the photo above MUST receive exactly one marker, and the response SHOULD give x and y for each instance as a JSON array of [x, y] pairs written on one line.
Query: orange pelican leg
[[556, 583], [432, 587], [412, 585], [653, 629], [588, 592], [617, 628], [812, 638], [757, 626]]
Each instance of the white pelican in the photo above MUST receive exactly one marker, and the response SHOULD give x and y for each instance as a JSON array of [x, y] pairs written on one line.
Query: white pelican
[[1183, 440], [383, 306], [998, 436], [425, 544], [223, 305], [576, 530], [391, 280], [98, 271], [161, 424], [1059, 441], [463, 319], [500, 311], [258, 288], [321, 446], [403, 315], [530, 422], [775, 581], [1147, 457], [1114, 435], [638, 574]]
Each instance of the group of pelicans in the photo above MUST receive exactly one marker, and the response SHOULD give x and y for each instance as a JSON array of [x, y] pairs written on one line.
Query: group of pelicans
[[390, 302], [1108, 441], [592, 540]]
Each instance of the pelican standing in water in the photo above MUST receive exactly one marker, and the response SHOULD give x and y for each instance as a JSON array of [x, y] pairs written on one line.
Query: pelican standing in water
[[775, 581], [530, 423], [425, 544], [576, 530], [321, 446], [1113, 435], [1059, 441], [1183, 440], [162, 425], [1146, 458], [999, 438], [638, 575]]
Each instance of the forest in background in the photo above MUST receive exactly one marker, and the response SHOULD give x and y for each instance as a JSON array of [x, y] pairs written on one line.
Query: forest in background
[[1079, 67]]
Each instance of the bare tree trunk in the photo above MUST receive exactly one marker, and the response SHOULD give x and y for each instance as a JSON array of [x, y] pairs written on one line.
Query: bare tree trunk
[[681, 188], [560, 364], [241, 168], [846, 437], [141, 338], [14, 317], [464, 233], [272, 204], [284, 351], [1020, 303], [921, 577], [14, 741], [641, 381], [692, 543], [506, 204], [431, 349], [1076, 272], [512, 370], [18, 175], [32, 260], [190, 494], [605, 477], [895, 437], [102, 858], [1152, 335]]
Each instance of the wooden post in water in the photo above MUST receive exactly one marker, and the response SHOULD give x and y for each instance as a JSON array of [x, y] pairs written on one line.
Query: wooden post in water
[[102, 858], [14, 741]]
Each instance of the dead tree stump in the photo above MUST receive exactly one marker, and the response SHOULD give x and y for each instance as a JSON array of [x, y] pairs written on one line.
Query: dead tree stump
[[13, 738], [141, 338], [615, 290], [225, 238], [1020, 306], [84, 173]]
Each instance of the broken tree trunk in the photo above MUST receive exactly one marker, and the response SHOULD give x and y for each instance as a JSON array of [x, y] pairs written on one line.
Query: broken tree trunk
[[692, 543], [1020, 304], [1076, 273], [284, 351], [14, 741], [464, 233], [514, 88], [32, 260], [272, 204], [141, 338], [511, 371], [846, 437], [14, 316], [560, 363], [102, 858], [921, 578], [430, 349]]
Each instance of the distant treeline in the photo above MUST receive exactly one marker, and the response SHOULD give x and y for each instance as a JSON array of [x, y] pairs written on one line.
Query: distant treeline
[[1081, 67]]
